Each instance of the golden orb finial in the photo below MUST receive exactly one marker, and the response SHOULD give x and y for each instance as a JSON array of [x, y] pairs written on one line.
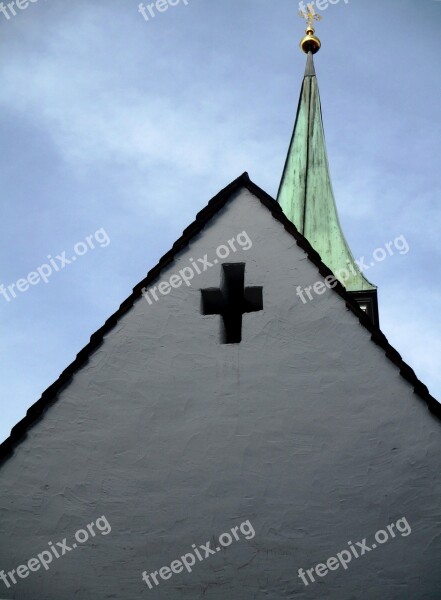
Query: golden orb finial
[[310, 43]]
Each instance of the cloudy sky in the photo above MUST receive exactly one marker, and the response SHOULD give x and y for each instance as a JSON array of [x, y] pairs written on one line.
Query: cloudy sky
[[111, 122]]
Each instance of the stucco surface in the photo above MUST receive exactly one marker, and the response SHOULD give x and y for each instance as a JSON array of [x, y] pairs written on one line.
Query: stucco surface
[[305, 429]]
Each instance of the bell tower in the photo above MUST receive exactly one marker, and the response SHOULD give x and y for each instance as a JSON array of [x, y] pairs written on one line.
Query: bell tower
[[305, 192]]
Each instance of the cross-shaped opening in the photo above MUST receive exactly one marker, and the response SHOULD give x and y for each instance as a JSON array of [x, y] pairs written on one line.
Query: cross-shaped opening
[[231, 301]]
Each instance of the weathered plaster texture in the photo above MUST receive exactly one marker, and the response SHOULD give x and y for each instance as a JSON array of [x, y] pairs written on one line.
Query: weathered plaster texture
[[305, 429]]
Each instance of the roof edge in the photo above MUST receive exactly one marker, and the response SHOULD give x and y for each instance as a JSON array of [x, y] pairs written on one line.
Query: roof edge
[[50, 395]]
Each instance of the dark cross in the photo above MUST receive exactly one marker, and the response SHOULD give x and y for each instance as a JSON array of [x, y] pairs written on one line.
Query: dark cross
[[232, 301]]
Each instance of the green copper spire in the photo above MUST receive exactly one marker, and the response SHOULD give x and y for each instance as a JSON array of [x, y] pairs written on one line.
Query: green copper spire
[[305, 192]]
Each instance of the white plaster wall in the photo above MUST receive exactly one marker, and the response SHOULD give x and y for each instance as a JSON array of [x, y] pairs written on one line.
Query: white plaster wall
[[305, 429]]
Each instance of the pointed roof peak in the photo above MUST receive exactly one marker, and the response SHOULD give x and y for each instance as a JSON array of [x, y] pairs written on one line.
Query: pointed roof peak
[[52, 394], [310, 68], [305, 193]]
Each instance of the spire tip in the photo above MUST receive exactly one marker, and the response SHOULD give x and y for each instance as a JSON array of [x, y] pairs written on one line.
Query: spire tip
[[310, 43]]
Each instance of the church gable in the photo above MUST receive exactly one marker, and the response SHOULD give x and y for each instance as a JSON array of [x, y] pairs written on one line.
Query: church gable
[[176, 432], [144, 288]]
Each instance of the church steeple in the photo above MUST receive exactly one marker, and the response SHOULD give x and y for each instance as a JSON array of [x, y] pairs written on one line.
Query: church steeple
[[305, 192]]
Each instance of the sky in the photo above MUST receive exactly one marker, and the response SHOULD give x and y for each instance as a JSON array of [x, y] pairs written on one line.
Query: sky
[[116, 131]]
